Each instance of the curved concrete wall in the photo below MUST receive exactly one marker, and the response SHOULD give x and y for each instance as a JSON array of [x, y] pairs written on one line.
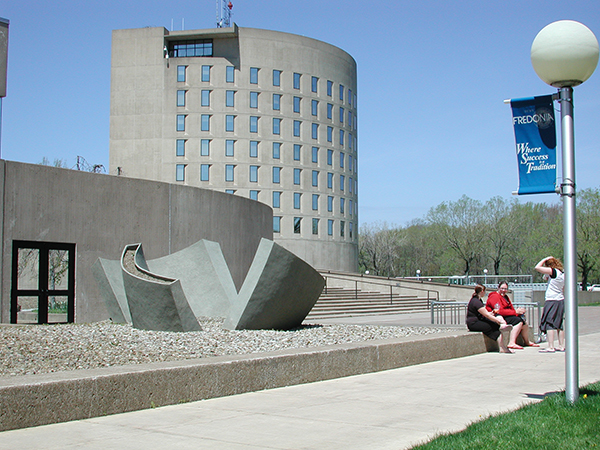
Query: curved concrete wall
[[103, 213]]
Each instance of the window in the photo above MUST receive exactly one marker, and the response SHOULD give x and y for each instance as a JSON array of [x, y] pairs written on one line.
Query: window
[[229, 147], [341, 92], [253, 75], [229, 168], [180, 172], [350, 206], [180, 148], [297, 197], [329, 111], [253, 99], [297, 173], [314, 107], [297, 222], [296, 104], [350, 229], [276, 199], [350, 141], [341, 137], [205, 122], [315, 202], [329, 180], [297, 148], [350, 97], [230, 74], [330, 227], [254, 195], [315, 226], [341, 160], [342, 205], [253, 174], [342, 182], [181, 73], [315, 154], [205, 73], [342, 226], [253, 124], [181, 98], [329, 157], [276, 150], [205, 98], [276, 224], [297, 80], [350, 183], [276, 126], [276, 175], [190, 48], [180, 122], [314, 84], [315, 131], [297, 124], [329, 203], [205, 147], [253, 149], [229, 98], [329, 134], [230, 191], [276, 102], [276, 77], [229, 122], [204, 168], [350, 119], [329, 88], [341, 115], [315, 178]]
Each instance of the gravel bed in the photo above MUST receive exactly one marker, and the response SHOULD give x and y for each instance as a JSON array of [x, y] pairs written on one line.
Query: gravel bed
[[33, 349]]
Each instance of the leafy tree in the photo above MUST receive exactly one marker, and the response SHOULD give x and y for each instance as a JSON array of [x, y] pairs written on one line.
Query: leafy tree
[[588, 233]]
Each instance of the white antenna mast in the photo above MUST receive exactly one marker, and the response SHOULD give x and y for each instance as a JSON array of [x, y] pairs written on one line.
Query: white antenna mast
[[224, 13]]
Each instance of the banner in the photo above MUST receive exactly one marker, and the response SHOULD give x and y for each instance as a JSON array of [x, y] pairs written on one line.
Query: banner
[[535, 136]]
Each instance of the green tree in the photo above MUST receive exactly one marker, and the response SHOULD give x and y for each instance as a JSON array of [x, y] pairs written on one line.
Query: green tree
[[588, 233]]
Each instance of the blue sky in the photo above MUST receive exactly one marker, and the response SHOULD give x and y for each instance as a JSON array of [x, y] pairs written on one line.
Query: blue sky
[[432, 77]]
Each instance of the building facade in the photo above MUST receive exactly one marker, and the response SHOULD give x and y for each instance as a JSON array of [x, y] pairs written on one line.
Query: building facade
[[261, 114]]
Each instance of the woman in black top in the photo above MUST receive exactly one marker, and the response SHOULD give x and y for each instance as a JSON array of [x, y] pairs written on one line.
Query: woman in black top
[[480, 319]]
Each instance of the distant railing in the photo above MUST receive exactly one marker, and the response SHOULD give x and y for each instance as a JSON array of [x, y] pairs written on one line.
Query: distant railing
[[454, 313], [431, 295]]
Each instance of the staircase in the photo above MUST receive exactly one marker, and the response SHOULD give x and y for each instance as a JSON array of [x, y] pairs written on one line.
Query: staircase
[[337, 302]]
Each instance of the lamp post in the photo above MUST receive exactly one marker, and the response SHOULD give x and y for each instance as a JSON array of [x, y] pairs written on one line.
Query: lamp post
[[485, 271], [418, 273], [565, 54]]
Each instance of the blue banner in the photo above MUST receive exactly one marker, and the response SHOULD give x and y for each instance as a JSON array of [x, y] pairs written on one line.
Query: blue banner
[[535, 136]]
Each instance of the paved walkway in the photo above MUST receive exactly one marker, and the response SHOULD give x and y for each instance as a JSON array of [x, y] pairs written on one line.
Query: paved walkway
[[386, 410]]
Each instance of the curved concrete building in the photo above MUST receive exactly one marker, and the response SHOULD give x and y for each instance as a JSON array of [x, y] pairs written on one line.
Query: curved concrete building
[[261, 114]]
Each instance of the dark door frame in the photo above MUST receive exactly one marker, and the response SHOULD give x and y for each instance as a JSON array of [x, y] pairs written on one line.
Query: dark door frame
[[43, 292]]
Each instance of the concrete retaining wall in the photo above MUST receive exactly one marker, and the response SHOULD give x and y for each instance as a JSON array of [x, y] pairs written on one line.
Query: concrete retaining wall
[[59, 397]]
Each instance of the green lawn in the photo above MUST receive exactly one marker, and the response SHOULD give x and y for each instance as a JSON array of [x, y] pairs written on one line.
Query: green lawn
[[550, 424]]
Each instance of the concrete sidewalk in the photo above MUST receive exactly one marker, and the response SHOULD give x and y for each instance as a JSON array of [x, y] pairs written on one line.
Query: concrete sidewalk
[[393, 409]]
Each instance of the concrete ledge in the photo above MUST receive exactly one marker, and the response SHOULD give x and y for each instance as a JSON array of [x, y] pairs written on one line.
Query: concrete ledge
[[34, 400]]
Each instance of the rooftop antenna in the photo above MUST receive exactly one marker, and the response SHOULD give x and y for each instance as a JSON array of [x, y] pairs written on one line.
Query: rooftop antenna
[[224, 13]]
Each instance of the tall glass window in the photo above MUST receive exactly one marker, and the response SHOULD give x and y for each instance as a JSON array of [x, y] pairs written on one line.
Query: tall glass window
[[276, 224], [276, 77], [229, 122], [350, 141], [180, 148], [276, 126], [297, 173], [181, 73], [229, 169], [314, 84], [342, 205], [297, 150], [315, 178], [341, 160], [229, 147], [253, 99], [350, 183], [314, 107], [329, 88], [341, 92], [350, 229], [297, 127], [329, 111], [205, 98], [276, 199], [254, 195], [205, 147], [315, 131], [297, 80], [329, 180], [253, 124], [277, 102], [253, 149], [180, 172], [254, 174], [297, 223], [315, 202], [204, 169], [350, 206], [315, 226], [342, 182], [205, 122], [329, 157], [276, 150], [253, 75], [181, 97], [230, 74], [329, 134], [296, 104], [341, 137], [329, 203], [330, 227], [205, 73], [180, 122], [297, 197], [315, 154], [342, 226], [276, 175], [341, 115], [350, 97], [230, 98]]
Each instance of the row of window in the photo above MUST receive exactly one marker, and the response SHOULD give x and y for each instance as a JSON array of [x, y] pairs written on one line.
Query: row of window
[[276, 104], [343, 95], [351, 165], [315, 226]]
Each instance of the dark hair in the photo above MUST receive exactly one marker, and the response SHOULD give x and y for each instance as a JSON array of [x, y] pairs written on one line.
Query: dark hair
[[503, 282], [479, 288]]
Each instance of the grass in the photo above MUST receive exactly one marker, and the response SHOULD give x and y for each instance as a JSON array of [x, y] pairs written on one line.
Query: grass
[[552, 423], [590, 304]]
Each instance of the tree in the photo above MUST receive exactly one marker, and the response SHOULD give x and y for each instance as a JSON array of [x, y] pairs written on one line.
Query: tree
[[500, 229], [588, 233], [379, 249]]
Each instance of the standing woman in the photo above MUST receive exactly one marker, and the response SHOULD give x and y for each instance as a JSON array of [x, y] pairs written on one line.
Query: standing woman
[[480, 319], [554, 308]]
